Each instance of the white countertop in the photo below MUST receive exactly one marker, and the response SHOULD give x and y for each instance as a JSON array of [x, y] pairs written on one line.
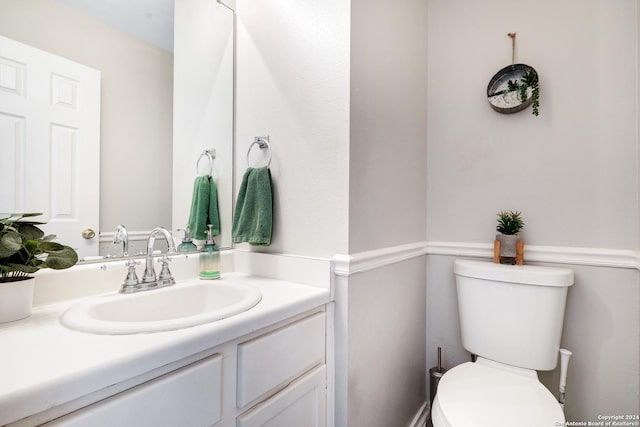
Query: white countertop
[[44, 364]]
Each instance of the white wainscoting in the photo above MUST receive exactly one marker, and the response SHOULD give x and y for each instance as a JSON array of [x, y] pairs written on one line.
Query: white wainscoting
[[346, 265]]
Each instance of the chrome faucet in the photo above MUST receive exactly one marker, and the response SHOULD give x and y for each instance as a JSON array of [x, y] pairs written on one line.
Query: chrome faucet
[[149, 275], [149, 278], [121, 236]]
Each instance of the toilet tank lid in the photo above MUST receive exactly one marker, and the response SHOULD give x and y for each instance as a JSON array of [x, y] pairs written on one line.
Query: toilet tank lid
[[525, 274]]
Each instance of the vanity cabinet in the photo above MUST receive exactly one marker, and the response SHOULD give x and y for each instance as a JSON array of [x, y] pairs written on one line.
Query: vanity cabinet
[[271, 361], [275, 377], [284, 371], [190, 396], [301, 403]]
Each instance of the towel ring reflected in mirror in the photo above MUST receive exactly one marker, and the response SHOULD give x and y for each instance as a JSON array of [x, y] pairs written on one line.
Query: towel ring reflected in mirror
[[210, 155], [261, 142]]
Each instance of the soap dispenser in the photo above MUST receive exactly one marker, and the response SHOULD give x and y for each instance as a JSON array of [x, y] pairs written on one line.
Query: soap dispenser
[[209, 258], [187, 244]]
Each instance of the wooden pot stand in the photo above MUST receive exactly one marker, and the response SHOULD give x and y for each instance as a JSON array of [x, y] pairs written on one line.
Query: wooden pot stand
[[498, 259]]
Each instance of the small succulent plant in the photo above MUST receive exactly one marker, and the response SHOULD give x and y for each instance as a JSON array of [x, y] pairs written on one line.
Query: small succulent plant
[[509, 223]]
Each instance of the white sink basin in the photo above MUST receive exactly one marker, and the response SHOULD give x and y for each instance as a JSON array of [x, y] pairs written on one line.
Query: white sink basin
[[174, 307]]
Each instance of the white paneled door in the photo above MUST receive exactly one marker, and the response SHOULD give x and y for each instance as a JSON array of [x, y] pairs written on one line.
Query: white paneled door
[[50, 142]]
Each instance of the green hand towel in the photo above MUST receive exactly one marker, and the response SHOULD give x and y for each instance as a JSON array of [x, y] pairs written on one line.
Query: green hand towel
[[204, 208], [214, 216], [253, 217]]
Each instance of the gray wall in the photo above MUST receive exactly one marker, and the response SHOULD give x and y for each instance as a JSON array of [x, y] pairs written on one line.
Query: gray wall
[[387, 207], [386, 348], [573, 171], [601, 329], [388, 145], [136, 108]]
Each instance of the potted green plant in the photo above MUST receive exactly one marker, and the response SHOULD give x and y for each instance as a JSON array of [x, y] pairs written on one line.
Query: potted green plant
[[509, 225], [25, 249]]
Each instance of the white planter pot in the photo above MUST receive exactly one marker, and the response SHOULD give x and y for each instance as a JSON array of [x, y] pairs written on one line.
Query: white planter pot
[[16, 299], [508, 244]]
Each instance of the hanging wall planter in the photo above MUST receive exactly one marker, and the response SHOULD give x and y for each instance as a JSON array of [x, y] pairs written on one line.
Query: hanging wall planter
[[514, 87]]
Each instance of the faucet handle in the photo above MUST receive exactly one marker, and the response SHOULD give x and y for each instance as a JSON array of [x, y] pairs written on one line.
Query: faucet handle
[[131, 282], [165, 277]]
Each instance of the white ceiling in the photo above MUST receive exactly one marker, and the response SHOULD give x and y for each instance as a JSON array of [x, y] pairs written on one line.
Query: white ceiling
[[149, 20]]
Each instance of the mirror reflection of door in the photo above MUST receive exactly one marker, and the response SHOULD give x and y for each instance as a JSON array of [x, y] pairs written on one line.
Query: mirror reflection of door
[[49, 138]]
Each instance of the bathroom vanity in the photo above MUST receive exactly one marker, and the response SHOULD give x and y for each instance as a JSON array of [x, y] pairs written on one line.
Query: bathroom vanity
[[264, 366]]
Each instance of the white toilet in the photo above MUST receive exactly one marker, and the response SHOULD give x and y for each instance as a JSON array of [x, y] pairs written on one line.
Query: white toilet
[[511, 318]]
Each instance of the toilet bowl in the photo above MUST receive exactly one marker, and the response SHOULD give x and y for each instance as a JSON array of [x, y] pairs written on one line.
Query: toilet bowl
[[491, 394], [511, 317]]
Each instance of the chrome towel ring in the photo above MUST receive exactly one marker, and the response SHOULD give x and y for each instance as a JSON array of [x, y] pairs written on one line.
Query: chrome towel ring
[[261, 142], [210, 155]]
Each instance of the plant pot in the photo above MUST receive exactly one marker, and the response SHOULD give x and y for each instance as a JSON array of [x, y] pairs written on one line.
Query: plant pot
[[508, 243], [16, 299]]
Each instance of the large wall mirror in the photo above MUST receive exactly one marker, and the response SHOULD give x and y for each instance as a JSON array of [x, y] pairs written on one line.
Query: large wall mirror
[[166, 96]]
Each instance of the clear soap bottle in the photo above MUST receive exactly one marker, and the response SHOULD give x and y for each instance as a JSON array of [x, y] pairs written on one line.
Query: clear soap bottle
[[209, 258], [187, 244]]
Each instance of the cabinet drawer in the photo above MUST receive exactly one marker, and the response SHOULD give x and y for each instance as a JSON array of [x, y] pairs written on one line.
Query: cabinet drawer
[[190, 396], [302, 403], [269, 362]]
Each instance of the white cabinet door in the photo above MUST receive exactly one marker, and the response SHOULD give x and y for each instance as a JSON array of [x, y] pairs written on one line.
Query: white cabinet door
[[271, 361], [301, 404], [50, 141], [191, 396]]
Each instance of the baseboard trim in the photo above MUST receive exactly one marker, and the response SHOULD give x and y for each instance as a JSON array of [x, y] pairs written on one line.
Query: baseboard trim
[[421, 417]]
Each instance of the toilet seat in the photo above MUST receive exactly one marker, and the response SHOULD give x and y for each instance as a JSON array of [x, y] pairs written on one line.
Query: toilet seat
[[491, 394]]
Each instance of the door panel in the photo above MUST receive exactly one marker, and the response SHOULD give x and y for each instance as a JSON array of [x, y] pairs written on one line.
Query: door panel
[[50, 132]]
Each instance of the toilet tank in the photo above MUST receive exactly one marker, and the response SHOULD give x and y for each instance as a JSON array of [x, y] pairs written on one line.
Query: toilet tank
[[512, 314]]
